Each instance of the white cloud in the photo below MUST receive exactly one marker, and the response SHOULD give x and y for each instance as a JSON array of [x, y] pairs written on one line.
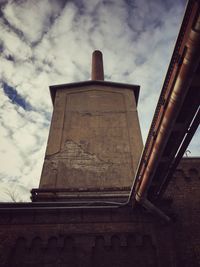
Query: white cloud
[[23, 139], [32, 18]]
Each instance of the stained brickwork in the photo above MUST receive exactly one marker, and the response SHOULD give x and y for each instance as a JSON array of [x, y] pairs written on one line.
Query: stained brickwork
[[94, 140], [184, 190], [108, 237], [68, 252]]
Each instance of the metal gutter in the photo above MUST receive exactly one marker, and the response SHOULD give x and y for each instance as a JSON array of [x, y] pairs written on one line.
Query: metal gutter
[[183, 81], [185, 60], [190, 133]]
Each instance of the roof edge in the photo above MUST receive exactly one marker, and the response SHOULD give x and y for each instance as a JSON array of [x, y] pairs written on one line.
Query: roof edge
[[135, 88]]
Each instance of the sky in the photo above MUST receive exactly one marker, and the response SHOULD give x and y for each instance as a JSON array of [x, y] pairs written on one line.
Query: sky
[[49, 42]]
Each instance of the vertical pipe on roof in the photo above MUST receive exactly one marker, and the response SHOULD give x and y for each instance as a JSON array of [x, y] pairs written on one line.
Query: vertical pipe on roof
[[97, 66], [190, 62]]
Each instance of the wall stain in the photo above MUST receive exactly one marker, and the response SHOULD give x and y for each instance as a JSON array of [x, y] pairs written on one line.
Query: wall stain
[[76, 157]]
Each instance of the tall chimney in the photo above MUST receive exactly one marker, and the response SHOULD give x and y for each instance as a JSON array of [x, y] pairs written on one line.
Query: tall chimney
[[97, 66]]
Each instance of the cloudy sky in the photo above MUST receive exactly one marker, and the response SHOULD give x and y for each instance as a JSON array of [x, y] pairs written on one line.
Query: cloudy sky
[[46, 42]]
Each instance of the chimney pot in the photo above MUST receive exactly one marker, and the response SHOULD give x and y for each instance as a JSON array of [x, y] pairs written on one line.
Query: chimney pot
[[97, 65]]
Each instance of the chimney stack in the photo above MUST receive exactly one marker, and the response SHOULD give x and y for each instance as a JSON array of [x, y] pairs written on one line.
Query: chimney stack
[[97, 66]]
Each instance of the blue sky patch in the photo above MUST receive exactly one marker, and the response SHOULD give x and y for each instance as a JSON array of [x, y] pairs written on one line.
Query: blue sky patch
[[15, 97]]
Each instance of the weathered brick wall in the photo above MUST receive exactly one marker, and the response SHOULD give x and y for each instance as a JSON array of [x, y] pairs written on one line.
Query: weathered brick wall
[[184, 189], [84, 238], [94, 135], [107, 237], [66, 252]]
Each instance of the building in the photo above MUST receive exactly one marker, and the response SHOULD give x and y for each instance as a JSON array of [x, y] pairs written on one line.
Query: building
[[83, 213]]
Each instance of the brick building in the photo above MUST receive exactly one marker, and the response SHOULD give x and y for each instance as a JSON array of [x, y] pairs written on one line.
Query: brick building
[[87, 211]]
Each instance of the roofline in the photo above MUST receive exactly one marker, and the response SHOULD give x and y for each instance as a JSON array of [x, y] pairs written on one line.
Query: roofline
[[135, 88], [177, 71], [176, 57]]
